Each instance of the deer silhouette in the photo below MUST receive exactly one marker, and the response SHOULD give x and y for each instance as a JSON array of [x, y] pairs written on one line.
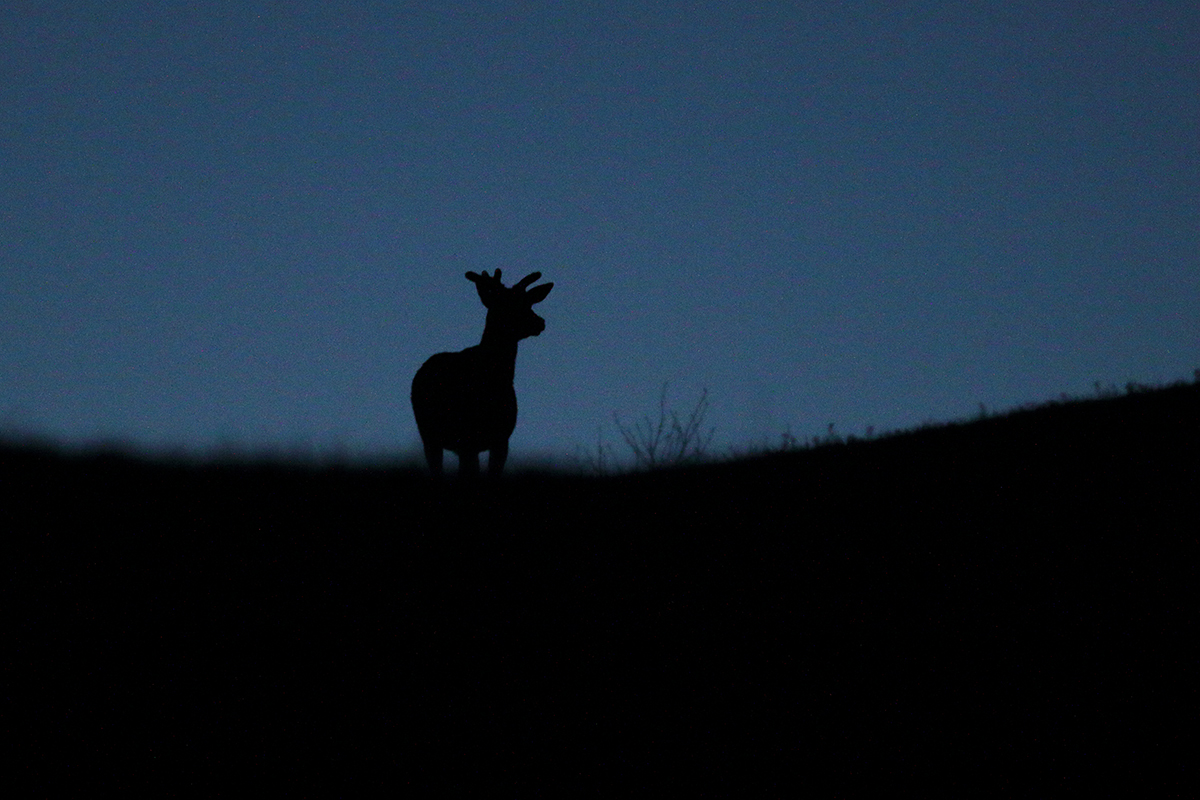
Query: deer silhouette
[[464, 402]]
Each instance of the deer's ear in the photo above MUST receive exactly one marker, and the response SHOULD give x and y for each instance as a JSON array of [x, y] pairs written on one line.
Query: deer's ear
[[538, 293]]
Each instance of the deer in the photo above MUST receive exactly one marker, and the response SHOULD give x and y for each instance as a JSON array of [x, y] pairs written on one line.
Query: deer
[[464, 402]]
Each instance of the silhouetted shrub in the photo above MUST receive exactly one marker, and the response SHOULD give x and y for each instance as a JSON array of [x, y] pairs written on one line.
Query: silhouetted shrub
[[669, 440]]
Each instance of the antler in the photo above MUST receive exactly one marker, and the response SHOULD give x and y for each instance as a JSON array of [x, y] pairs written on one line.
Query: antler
[[528, 279], [485, 278], [488, 286]]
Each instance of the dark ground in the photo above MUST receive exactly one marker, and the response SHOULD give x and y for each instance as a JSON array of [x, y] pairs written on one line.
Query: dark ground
[[996, 605]]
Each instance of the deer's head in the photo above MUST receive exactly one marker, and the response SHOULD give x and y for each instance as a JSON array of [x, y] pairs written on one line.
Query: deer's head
[[510, 311]]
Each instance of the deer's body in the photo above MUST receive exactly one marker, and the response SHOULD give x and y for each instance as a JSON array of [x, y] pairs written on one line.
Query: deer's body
[[464, 402]]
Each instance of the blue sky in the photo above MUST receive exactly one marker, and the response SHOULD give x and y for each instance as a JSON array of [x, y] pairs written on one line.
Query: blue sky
[[246, 224]]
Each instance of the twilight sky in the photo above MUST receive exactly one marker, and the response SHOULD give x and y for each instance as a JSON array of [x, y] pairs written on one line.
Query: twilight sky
[[245, 224]]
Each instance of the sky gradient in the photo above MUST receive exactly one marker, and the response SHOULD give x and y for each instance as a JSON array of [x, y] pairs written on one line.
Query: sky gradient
[[245, 225]]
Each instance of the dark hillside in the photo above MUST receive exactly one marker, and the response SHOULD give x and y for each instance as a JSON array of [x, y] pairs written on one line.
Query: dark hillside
[[985, 604]]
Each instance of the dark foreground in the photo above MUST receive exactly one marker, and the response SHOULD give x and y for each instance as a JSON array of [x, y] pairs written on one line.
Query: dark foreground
[[1000, 604]]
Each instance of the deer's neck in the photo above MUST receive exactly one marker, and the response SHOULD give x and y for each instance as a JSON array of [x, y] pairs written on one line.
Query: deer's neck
[[500, 352]]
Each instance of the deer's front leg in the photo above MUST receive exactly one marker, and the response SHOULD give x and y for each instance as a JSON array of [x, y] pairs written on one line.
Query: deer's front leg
[[496, 458]]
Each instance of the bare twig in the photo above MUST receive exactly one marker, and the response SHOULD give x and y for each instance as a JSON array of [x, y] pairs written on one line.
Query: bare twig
[[597, 463], [668, 440]]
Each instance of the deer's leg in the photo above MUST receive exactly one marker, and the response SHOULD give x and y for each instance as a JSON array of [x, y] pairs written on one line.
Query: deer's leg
[[433, 456], [468, 465], [496, 458]]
